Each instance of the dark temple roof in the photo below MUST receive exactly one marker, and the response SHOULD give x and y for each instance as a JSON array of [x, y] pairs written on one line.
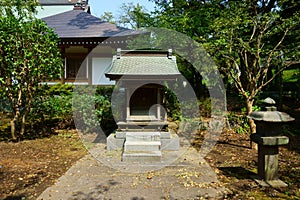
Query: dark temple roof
[[79, 24], [57, 2]]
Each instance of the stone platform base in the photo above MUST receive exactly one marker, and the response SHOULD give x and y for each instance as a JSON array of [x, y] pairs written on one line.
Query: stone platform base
[[113, 143], [171, 143], [273, 183]]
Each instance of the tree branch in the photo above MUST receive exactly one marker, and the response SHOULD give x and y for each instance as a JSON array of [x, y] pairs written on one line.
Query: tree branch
[[253, 31], [278, 72], [276, 46], [235, 77]]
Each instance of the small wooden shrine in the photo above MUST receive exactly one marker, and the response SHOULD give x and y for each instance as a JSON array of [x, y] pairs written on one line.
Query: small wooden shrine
[[142, 132]]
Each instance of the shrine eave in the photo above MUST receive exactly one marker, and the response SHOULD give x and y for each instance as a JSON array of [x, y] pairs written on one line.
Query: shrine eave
[[142, 77]]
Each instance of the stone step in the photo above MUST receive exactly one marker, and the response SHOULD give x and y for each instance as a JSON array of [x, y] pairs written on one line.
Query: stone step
[[142, 146], [122, 134], [143, 136], [141, 156], [149, 124]]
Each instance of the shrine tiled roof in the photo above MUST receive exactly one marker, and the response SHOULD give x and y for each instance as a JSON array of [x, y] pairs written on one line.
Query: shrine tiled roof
[[156, 65], [79, 24]]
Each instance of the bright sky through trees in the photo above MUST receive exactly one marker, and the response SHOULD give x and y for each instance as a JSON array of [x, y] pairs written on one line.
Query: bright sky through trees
[[98, 7]]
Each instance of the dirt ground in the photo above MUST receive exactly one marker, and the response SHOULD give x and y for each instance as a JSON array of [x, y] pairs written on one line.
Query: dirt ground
[[236, 163], [29, 167]]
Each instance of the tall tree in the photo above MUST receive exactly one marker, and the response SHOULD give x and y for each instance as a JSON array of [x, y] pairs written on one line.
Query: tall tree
[[108, 17], [28, 56], [249, 37], [245, 37], [131, 16]]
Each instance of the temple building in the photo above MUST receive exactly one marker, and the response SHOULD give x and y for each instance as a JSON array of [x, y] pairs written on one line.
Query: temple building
[[86, 42]]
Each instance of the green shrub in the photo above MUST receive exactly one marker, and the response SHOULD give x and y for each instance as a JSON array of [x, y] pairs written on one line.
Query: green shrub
[[54, 102], [104, 113], [205, 107], [52, 111], [55, 106], [59, 89], [93, 110], [5, 105], [239, 123], [85, 112], [172, 105], [104, 91]]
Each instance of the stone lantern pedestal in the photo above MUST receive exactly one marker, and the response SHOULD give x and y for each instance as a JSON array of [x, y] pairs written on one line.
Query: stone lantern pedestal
[[269, 137], [268, 159]]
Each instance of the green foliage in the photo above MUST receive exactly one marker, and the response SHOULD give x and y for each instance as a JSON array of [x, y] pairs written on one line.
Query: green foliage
[[29, 56], [59, 89], [105, 91], [52, 108], [19, 9], [57, 107], [247, 42], [189, 17], [172, 105], [291, 75], [254, 108], [5, 105], [108, 17], [93, 110], [245, 38], [84, 112], [104, 113], [174, 108], [205, 107], [239, 123], [51, 112], [131, 16]]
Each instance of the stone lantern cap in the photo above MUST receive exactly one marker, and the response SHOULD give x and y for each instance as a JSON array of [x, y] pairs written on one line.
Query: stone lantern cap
[[271, 114]]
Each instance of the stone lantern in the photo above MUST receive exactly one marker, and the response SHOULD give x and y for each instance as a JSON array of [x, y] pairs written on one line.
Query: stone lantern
[[269, 137]]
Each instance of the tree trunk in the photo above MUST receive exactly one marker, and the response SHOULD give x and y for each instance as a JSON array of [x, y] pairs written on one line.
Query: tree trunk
[[23, 124], [22, 131], [13, 130], [13, 125], [249, 104]]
